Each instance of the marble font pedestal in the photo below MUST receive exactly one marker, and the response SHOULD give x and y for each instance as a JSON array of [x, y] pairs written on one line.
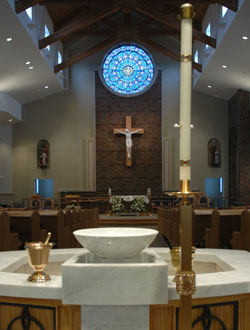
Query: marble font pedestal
[[115, 317]]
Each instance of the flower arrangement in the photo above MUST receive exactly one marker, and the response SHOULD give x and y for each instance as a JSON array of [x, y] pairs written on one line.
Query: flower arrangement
[[73, 206], [116, 205], [138, 205]]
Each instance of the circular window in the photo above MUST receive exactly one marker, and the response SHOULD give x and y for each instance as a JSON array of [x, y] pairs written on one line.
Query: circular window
[[128, 70]]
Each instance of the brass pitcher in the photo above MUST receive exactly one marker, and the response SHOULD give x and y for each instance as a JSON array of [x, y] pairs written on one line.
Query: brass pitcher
[[38, 256]]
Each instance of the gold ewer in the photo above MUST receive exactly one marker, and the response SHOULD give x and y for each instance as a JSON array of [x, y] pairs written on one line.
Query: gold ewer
[[38, 256], [175, 253]]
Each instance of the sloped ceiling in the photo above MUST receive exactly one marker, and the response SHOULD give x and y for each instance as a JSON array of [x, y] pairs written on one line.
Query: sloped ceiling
[[27, 85]]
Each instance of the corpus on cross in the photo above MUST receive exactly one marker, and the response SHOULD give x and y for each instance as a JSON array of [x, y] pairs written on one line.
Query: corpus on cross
[[128, 131]]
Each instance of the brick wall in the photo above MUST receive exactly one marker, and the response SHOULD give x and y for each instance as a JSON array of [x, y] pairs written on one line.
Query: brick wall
[[239, 145], [145, 112]]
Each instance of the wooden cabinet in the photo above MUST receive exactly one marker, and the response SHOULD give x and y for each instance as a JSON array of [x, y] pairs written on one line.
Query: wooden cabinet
[[229, 312], [42, 314]]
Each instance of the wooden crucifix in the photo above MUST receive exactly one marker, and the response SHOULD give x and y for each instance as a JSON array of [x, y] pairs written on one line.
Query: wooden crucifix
[[128, 131]]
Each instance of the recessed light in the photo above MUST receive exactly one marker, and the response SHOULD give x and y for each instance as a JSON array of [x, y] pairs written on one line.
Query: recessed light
[[244, 37], [209, 86], [46, 87], [224, 66], [10, 119], [27, 63], [9, 39], [31, 67]]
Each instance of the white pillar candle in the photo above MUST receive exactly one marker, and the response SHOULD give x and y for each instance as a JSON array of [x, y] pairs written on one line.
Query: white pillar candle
[[185, 97]]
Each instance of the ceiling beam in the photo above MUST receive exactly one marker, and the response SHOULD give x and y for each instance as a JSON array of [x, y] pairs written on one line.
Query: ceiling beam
[[81, 56], [174, 24], [163, 31], [78, 24], [110, 23], [74, 2], [230, 4], [168, 52], [69, 18], [22, 5]]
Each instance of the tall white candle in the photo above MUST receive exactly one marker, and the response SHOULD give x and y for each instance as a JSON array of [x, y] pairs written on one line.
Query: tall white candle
[[185, 97]]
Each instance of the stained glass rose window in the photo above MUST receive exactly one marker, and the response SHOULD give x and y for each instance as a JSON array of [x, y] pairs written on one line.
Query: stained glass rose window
[[128, 70]]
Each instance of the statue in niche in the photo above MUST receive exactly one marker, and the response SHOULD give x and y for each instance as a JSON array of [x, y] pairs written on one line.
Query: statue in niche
[[214, 153], [43, 154]]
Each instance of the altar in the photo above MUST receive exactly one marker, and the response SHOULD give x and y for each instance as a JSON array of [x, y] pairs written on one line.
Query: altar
[[129, 205], [128, 221]]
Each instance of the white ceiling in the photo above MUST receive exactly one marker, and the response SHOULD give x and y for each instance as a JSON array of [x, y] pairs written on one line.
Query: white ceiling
[[16, 79], [234, 52], [28, 85]]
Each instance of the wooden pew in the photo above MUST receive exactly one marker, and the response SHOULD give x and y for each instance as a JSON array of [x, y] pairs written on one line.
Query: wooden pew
[[8, 241], [240, 240], [169, 224], [27, 224], [58, 223], [82, 219], [223, 224], [63, 229], [201, 221]]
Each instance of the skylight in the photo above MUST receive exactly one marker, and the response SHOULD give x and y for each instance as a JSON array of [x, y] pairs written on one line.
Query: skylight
[[59, 58], [46, 34], [196, 56], [29, 12], [208, 32], [223, 11]]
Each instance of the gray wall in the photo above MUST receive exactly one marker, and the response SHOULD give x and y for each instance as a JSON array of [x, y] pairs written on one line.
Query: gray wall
[[67, 119], [209, 117], [6, 187]]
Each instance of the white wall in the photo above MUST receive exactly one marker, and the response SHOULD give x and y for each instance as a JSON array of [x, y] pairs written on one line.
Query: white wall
[[67, 119], [209, 116]]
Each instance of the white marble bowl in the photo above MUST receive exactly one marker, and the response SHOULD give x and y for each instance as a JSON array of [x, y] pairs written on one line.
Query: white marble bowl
[[117, 242]]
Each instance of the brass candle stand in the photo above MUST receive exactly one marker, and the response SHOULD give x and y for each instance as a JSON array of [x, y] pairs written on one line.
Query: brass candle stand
[[181, 256], [175, 253]]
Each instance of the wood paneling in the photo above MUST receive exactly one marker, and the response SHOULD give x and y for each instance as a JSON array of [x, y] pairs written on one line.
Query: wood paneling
[[50, 313]]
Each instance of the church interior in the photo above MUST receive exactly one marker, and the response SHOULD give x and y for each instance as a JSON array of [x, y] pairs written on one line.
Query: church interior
[[91, 124]]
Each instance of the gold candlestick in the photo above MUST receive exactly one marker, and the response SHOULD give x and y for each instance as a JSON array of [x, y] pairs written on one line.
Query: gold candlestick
[[185, 277]]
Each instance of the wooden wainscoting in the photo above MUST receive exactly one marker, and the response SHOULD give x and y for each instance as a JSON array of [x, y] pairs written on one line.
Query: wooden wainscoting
[[43, 313], [232, 311]]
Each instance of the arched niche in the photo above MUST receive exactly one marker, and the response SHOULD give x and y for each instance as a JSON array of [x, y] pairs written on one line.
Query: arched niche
[[43, 154], [214, 153]]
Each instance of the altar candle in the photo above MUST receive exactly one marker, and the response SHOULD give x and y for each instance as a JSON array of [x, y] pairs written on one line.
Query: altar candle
[[109, 190], [185, 98], [186, 273]]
